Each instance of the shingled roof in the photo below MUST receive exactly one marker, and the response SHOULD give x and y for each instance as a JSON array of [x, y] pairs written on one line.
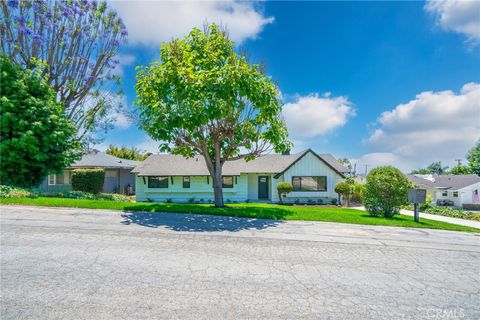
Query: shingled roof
[[175, 165], [450, 182], [97, 159]]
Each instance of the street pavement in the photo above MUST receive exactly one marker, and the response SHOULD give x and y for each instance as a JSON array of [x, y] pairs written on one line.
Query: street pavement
[[96, 264]]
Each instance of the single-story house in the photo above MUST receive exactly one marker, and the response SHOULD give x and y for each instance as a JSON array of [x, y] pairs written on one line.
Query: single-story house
[[174, 178], [457, 190], [117, 173]]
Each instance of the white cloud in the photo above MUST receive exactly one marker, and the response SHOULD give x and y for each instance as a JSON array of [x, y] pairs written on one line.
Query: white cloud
[[152, 22], [459, 16], [124, 60], [435, 126], [149, 145], [314, 115]]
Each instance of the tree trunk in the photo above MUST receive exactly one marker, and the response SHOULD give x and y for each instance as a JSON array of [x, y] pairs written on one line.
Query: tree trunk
[[217, 188]]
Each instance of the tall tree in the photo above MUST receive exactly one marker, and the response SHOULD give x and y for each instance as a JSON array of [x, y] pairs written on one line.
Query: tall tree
[[203, 98], [75, 42], [473, 158], [127, 153], [437, 168], [36, 136]]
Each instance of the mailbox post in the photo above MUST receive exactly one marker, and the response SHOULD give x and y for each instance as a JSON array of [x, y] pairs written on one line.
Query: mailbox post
[[416, 196]]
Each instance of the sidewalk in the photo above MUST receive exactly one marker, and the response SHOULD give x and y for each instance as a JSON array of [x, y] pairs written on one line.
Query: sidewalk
[[461, 222]]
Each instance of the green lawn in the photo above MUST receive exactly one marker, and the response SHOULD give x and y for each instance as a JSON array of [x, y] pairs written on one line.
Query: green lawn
[[250, 210]]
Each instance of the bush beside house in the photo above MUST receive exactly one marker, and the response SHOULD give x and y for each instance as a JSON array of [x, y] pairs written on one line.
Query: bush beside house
[[386, 191], [283, 188], [88, 180]]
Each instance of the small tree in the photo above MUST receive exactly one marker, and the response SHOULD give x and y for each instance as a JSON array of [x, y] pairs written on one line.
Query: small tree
[[344, 189], [283, 188], [358, 192], [385, 191], [459, 169], [203, 98], [36, 136], [473, 158], [127, 153], [88, 180]]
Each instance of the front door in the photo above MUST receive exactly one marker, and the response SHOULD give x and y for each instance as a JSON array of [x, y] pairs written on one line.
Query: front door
[[262, 187]]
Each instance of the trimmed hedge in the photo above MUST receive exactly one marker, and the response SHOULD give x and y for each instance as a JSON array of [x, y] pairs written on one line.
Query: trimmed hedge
[[88, 180]]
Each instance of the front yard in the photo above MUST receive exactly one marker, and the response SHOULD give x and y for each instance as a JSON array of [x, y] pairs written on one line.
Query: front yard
[[249, 210]]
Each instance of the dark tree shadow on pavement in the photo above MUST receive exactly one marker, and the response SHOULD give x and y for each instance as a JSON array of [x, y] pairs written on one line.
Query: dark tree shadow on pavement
[[196, 223]]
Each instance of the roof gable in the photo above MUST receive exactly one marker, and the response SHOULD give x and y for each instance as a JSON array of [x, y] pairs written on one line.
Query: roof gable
[[330, 165]]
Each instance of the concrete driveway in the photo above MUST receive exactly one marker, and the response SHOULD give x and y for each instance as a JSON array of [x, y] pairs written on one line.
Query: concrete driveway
[[86, 264]]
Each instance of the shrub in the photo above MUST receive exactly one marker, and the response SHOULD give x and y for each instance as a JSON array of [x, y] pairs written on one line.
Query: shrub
[[191, 200], [88, 180], [88, 196], [345, 189], [15, 192], [385, 191], [320, 201], [358, 192], [334, 202], [297, 201], [283, 188], [168, 200]]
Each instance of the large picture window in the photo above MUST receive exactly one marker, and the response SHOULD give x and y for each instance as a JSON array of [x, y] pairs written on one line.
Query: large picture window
[[227, 182], [316, 183], [158, 182]]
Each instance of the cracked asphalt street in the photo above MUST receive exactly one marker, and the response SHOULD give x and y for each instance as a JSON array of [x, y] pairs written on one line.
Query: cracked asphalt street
[[97, 264]]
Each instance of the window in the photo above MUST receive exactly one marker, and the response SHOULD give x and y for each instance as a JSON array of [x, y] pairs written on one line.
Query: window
[[158, 182], [455, 194], [227, 182], [58, 179], [444, 193], [186, 182], [111, 173], [318, 183]]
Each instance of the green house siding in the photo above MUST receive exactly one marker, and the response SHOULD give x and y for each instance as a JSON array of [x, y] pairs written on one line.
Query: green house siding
[[200, 189], [245, 187]]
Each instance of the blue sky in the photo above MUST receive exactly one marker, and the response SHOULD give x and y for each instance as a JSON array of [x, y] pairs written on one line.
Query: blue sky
[[378, 82]]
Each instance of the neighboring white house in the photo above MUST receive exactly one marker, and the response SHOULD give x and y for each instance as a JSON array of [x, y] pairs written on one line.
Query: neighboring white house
[[171, 177], [461, 190]]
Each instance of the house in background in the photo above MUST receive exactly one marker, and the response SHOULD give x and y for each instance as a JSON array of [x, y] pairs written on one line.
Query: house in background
[[165, 177], [461, 191], [117, 173]]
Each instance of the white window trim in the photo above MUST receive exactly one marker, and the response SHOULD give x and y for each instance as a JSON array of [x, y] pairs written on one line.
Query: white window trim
[[54, 180]]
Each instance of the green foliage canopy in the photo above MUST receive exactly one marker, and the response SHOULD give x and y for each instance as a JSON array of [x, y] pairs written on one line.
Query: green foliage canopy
[[459, 169], [127, 153], [473, 158], [386, 191], [36, 137], [204, 98]]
